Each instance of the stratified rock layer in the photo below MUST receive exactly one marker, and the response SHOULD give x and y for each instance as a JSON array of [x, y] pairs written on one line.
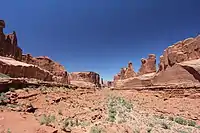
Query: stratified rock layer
[[85, 78], [17, 69], [59, 72], [148, 65]]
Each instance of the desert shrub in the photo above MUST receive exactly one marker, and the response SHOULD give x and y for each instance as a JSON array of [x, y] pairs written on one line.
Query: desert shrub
[[95, 129], [4, 75], [171, 118], [161, 116], [165, 125], [12, 89], [191, 123], [46, 120], [198, 127], [8, 131], [149, 130], [118, 106], [60, 112], [3, 99], [181, 121]]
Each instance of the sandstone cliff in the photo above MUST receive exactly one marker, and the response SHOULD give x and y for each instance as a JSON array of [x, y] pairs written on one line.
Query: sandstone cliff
[[85, 79], [17, 69], [179, 65], [148, 65], [44, 62], [8, 44], [186, 50]]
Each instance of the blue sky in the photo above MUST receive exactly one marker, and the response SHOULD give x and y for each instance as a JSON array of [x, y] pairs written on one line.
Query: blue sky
[[100, 35]]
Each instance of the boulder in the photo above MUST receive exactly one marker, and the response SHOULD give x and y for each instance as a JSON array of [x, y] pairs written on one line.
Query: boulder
[[8, 44], [87, 77], [16, 69], [59, 72], [148, 65]]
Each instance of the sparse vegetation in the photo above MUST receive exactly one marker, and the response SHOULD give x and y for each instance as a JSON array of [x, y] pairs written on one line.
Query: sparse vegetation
[[181, 121], [12, 89], [8, 131], [3, 99], [96, 129], [191, 123], [4, 76], [149, 130], [165, 125], [171, 118], [60, 112], [46, 120], [118, 107]]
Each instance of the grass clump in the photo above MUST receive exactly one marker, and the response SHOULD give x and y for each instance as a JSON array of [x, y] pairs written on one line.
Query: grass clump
[[118, 109], [96, 129], [8, 131], [46, 120], [171, 118], [165, 125], [181, 121], [149, 130], [60, 112], [191, 123], [3, 99], [4, 76]]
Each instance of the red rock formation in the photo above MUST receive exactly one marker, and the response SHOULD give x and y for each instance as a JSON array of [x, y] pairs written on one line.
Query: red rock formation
[[186, 50], [148, 65], [187, 72], [59, 72], [90, 77], [129, 71], [8, 44], [125, 73], [17, 69]]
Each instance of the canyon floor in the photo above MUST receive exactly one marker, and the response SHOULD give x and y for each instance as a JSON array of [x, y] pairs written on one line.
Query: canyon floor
[[64, 110]]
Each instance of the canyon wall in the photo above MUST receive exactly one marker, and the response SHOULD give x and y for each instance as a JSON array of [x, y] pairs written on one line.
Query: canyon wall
[[85, 79], [44, 62]]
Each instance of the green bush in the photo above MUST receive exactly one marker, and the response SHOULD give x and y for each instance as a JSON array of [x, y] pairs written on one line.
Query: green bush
[[191, 123], [4, 75], [181, 121], [46, 120], [95, 129], [3, 99]]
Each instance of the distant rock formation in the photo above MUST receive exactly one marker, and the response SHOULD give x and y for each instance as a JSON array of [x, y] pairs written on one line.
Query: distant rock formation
[[85, 79], [8, 44], [148, 65], [125, 73], [179, 66], [44, 62]]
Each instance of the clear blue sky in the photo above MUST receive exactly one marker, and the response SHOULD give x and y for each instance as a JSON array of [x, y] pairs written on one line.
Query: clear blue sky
[[100, 35]]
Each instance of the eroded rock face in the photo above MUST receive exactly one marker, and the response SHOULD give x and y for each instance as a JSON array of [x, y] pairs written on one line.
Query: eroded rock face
[[148, 65], [17, 69], [186, 50], [8, 44], [59, 72], [187, 72], [90, 77], [125, 73]]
